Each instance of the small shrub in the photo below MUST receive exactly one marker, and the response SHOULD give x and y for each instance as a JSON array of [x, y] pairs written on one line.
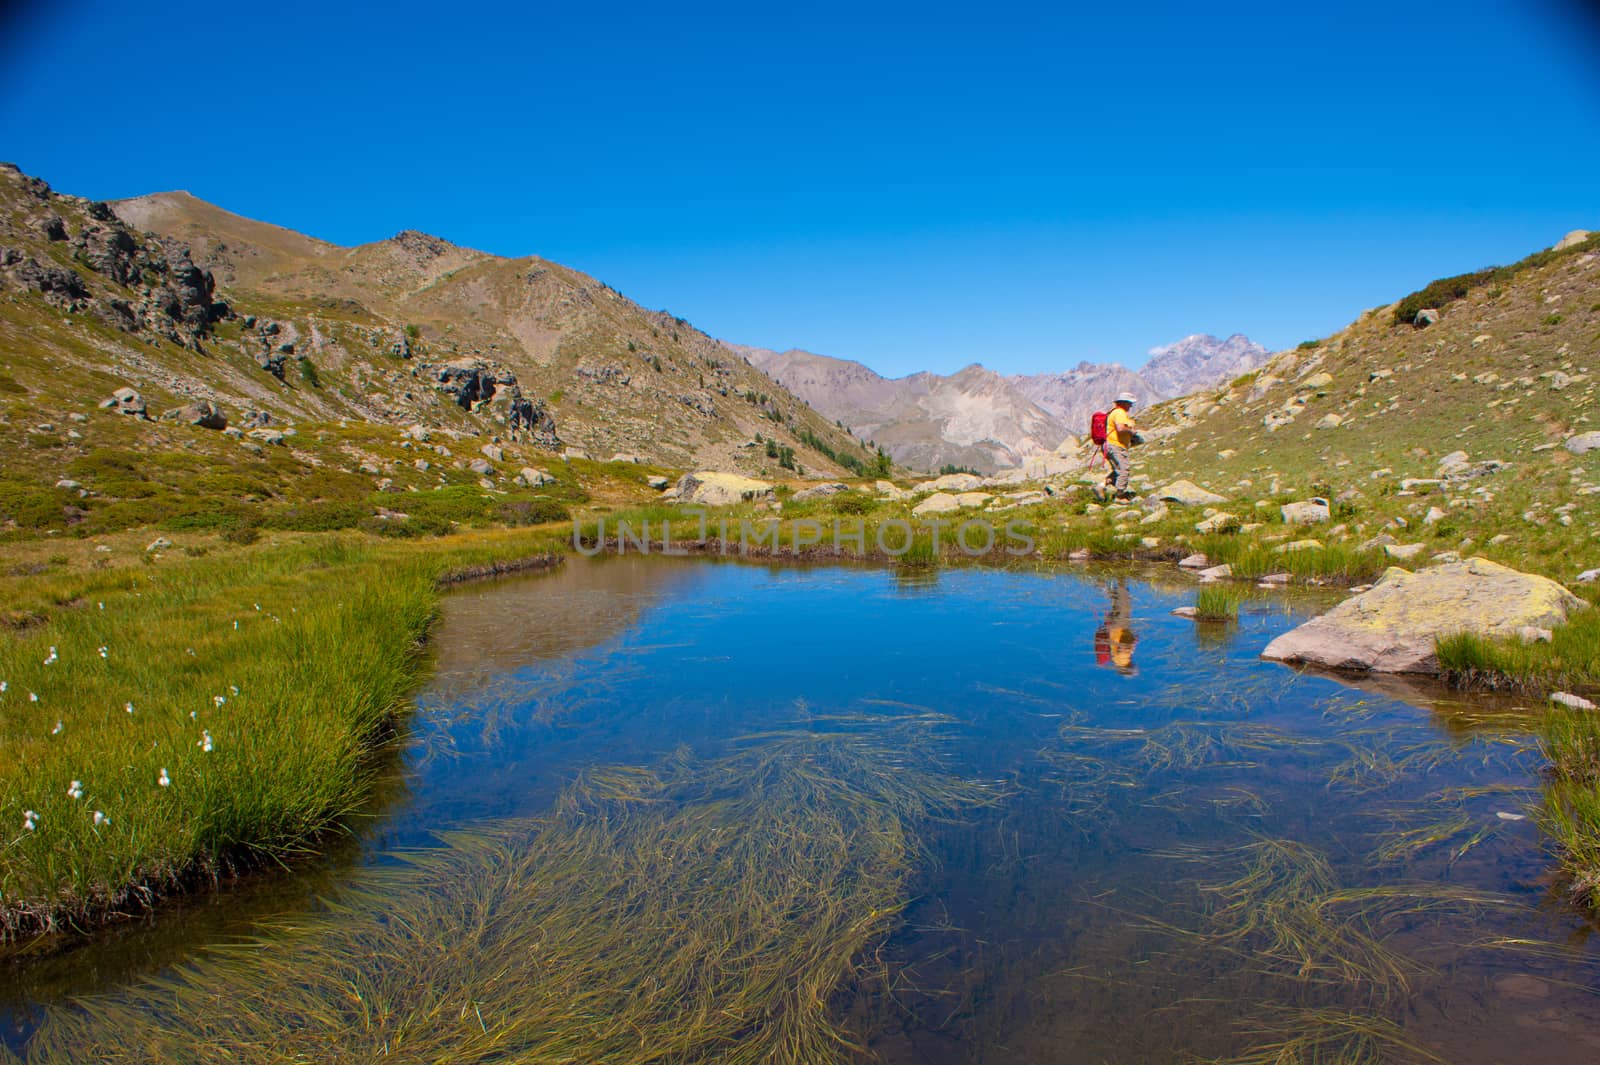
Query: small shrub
[[1309, 345], [308, 372], [536, 511], [1553, 319], [414, 331], [242, 534]]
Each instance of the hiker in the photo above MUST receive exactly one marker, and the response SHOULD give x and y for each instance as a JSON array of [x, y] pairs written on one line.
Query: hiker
[[1120, 436], [1114, 639]]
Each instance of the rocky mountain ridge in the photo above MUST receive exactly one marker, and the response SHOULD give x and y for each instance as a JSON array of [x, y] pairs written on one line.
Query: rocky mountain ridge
[[184, 302], [982, 420]]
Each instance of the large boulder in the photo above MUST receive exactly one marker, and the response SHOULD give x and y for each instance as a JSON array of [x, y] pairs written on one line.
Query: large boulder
[[1038, 467], [1583, 443], [125, 401], [1393, 627], [1306, 512], [712, 489], [938, 503], [1189, 494], [199, 413], [952, 482], [820, 491]]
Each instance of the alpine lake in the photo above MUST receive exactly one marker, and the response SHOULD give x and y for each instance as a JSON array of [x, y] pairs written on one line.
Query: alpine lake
[[673, 810]]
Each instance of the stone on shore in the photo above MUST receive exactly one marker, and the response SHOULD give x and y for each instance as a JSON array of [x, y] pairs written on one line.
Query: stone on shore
[[1392, 628], [820, 491], [713, 489]]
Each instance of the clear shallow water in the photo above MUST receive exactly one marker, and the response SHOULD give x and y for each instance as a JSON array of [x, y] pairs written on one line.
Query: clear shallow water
[[1188, 852]]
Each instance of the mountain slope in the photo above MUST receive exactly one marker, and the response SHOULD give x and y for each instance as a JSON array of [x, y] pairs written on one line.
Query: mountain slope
[[325, 354], [1509, 373]]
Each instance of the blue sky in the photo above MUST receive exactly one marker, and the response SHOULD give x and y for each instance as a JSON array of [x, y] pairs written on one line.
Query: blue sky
[[917, 186]]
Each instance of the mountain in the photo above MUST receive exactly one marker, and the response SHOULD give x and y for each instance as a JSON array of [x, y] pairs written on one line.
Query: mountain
[[220, 320], [974, 418], [979, 419]]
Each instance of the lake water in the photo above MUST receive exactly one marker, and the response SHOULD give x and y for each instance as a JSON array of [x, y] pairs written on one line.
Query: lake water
[[1145, 844]]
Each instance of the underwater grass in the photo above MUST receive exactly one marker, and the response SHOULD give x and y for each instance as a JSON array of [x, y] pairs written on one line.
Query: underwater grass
[[1570, 814], [702, 910], [173, 721]]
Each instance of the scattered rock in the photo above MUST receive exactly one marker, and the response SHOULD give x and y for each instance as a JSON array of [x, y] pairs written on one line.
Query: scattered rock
[[1589, 576], [160, 543], [623, 457], [938, 503], [1330, 421], [713, 489], [1535, 634], [481, 467], [1274, 580], [1186, 612], [534, 477], [493, 452], [199, 413], [952, 482], [820, 491], [1583, 443], [1426, 317], [574, 453], [1393, 627], [1297, 545], [1188, 494], [657, 482], [1078, 554], [419, 433], [1216, 573], [1404, 552], [1318, 380], [125, 401], [267, 436], [1306, 512], [1194, 561], [891, 491], [1572, 702], [1433, 516], [1456, 460], [1217, 523]]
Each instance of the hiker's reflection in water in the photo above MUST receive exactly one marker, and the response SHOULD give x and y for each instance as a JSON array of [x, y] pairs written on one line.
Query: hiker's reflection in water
[[1114, 639]]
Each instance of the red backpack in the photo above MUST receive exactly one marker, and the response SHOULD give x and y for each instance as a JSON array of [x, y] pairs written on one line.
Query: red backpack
[[1097, 428]]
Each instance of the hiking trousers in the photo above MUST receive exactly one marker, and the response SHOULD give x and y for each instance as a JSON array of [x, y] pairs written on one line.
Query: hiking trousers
[[1117, 459]]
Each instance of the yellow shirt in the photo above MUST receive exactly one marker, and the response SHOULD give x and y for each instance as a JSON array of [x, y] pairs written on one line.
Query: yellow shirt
[[1119, 428]]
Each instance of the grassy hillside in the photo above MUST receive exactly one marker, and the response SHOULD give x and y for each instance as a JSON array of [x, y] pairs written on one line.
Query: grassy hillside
[[1507, 374], [340, 351]]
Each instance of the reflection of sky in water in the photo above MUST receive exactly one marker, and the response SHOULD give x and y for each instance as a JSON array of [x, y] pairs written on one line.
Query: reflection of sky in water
[[1138, 781]]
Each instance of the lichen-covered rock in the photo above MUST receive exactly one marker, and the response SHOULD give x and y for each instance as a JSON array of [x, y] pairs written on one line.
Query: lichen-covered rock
[[1583, 443], [952, 482], [1189, 494], [938, 503], [820, 491], [1306, 512], [713, 489], [1392, 628]]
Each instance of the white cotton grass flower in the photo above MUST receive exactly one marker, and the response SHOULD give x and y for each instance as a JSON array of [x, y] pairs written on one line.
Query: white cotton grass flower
[[57, 730], [235, 626], [193, 716], [102, 606], [162, 778], [3, 685], [51, 660], [101, 819], [29, 820], [103, 653], [204, 743], [128, 707], [218, 700], [32, 697], [75, 790], [234, 688]]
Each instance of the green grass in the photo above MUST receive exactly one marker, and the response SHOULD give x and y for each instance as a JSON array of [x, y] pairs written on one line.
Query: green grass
[[1571, 812], [1217, 602], [293, 659], [703, 909]]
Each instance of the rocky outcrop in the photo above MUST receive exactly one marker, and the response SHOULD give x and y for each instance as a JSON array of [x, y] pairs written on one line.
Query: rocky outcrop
[[1393, 627], [125, 401], [1583, 443], [200, 413], [479, 387], [713, 489]]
